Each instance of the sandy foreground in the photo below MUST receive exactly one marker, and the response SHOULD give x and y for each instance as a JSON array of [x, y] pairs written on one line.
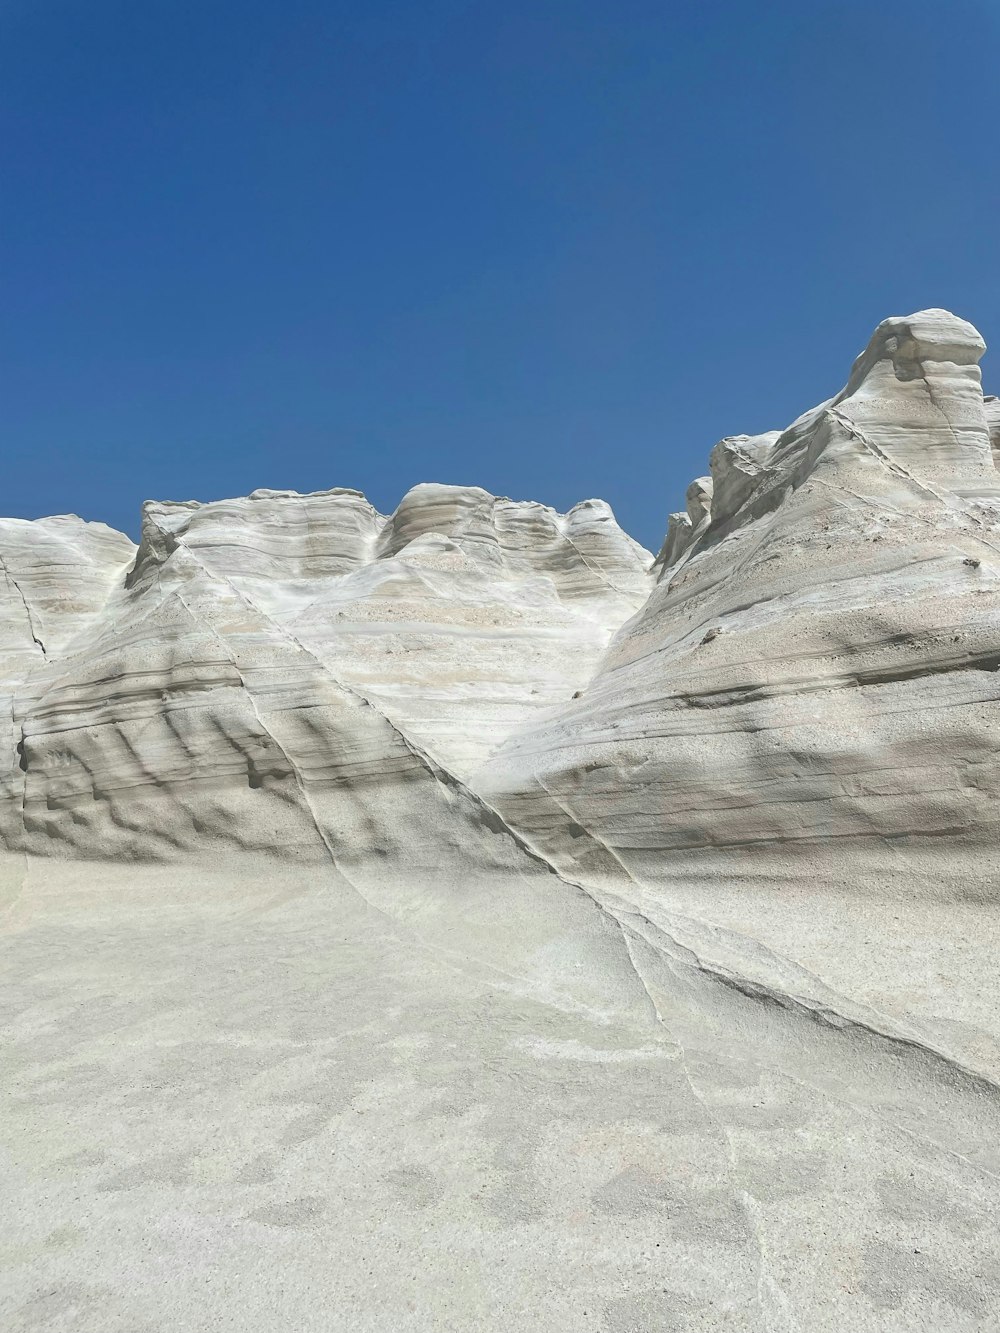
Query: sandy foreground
[[247, 1098]]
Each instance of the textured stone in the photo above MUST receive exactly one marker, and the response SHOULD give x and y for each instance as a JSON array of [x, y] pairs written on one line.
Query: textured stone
[[265, 645], [457, 919], [992, 405], [814, 679]]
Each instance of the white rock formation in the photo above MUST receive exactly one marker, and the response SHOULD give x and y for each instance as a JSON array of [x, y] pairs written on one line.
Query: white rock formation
[[460, 920], [795, 738], [262, 646], [813, 678], [992, 405]]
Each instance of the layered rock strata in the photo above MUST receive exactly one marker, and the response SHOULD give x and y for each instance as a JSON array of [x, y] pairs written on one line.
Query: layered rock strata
[[812, 684], [806, 671], [258, 660], [527, 933]]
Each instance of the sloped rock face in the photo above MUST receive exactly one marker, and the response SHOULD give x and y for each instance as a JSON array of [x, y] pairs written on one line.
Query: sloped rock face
[[813, 681], [806, 672], [57, 576], [992, 405], [619, 932], [265, 658]]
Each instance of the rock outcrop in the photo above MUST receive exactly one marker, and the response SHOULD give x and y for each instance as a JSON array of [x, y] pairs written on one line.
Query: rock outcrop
[[389, 900], [266, 654], [807, 671], [992, 406], [812, 685]]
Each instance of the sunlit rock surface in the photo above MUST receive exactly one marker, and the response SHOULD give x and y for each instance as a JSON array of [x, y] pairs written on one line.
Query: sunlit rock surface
[[271, 654], [811, 686], [462, 920]]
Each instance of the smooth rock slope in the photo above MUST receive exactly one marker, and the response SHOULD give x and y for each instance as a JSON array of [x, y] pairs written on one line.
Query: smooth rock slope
[[812, 682]]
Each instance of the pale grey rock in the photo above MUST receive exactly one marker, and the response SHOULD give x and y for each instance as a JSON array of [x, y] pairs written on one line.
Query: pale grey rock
[[992, 405], [243, 1097], [699, 501], [57, 576], [683, 528], [916, 394], [676, 542], [454, 920], [810, 694], [738, 463], [263, 646]]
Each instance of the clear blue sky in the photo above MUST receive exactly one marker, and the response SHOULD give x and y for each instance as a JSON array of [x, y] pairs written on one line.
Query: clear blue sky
[[553, 249]]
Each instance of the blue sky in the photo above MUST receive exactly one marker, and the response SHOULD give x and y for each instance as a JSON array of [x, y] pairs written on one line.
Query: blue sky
[[553, 249]]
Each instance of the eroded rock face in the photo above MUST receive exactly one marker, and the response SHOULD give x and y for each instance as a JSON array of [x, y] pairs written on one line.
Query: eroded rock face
[[56, 578], [806, 671], [813, 681], [992, 405], [267, 656], [623, 934]]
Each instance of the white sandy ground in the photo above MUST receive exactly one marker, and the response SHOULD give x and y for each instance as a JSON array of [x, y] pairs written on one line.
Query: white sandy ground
[[243, 1098], [931, 961]]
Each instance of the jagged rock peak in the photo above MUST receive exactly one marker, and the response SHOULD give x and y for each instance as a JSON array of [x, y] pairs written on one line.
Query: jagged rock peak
[[918, 386]]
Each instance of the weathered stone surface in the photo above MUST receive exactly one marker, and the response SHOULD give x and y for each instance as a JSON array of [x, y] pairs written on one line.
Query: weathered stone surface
[[267, 646], [806, 709], [814, 679], [992, 405], [458, 920]]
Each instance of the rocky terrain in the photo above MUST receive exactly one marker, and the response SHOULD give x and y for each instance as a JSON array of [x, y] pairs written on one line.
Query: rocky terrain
[[467, 919]]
